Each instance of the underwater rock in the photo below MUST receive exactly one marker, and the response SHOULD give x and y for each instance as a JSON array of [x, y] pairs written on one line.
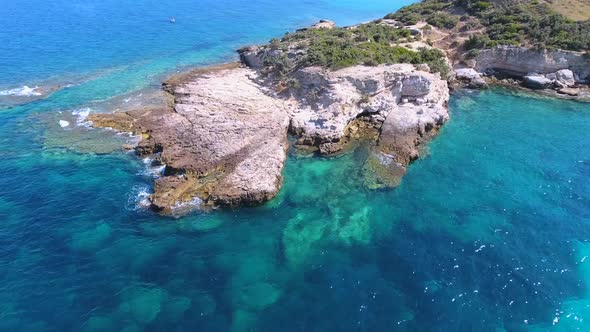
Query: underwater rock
[[176, 307], [356, 229], [242, 321], [258, 296], [432, 287], [92, 239], [134, 253], [131, 328], [65, 131], [381, 170], [143, 304], [205, 303], [246, 269], [300, 237], [99, 323], [573, 312]]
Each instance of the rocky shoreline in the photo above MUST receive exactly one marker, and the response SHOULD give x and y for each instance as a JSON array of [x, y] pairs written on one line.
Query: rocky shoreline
[[558, 73], [224, 137]]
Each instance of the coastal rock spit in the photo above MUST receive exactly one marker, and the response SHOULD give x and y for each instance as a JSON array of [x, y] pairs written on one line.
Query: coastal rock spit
[[224, 139]]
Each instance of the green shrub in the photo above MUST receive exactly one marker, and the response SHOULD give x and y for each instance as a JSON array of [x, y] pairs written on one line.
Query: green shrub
[[472, 53], [480, 6], [442, 20], [513, 22], [477, 42], [435, 59], [469, 26]]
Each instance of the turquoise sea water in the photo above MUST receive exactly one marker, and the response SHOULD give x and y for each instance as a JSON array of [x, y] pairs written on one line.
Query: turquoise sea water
[[488, 232]]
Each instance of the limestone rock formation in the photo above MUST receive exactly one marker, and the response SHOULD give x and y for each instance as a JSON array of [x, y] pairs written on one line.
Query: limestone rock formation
[[536, 81], [406, 129], [470, 77], [565, 77], [224, 141], [519, 61], [328, 101]]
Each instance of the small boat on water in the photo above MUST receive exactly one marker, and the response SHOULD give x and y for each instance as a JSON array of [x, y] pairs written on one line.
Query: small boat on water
[[172, 19]]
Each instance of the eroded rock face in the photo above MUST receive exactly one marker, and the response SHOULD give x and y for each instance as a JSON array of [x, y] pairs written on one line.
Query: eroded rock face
[[519, 61], [407, 128], [328, 101]]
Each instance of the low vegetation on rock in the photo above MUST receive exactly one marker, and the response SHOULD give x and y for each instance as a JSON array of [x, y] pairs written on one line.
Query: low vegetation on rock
[[431, 11], [366, 44], [531, 23]]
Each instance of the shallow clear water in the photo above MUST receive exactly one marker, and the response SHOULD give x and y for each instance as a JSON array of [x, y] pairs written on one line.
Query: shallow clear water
[[488, 232]]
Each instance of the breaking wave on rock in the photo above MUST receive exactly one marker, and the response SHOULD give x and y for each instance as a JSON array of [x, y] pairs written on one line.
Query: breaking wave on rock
[[24, 91], [139, 198]]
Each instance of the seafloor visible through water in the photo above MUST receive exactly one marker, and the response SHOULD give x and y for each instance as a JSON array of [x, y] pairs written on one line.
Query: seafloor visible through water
[[488, 232]]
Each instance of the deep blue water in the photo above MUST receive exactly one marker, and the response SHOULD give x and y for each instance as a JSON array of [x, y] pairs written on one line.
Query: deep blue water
[[488, 232]]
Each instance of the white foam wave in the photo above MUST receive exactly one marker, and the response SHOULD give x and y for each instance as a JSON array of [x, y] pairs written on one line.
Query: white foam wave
[[63, 123], [139, 198], [152, 170], [193, 204], [24, 91], [82, 116]]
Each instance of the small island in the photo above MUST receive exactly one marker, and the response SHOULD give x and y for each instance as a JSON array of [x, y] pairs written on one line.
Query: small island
[[224, 137]]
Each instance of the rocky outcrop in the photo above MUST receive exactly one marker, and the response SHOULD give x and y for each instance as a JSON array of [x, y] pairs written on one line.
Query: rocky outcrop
[[327, 101], [407, 128], [520, 61], [564, 77], [536, 81], [470, 77], [323, 24], [556, 73], [224, 142], [250, 56]]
